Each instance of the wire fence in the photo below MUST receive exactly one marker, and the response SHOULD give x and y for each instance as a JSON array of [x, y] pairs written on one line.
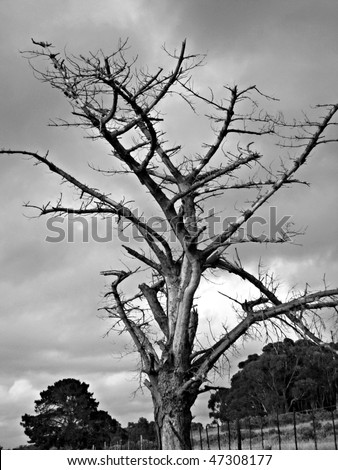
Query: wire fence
[[310, 429], [133, 444]]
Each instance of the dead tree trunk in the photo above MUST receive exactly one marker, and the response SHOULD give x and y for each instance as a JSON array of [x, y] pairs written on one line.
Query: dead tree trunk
[[172, 410]]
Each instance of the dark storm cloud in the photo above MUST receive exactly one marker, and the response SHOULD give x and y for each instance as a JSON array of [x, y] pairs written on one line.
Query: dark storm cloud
[[51, 292]]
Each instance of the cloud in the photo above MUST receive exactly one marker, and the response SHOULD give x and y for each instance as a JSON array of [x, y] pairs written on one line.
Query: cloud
[[20, 389]]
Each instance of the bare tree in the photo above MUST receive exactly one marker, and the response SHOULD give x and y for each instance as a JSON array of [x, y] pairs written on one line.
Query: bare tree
[[121, 103]]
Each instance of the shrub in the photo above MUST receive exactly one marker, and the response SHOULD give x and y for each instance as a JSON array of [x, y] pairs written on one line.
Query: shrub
[[327, 429], [306, 433]]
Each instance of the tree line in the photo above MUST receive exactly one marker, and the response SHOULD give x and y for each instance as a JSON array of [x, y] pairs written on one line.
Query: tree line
[[288, 376]]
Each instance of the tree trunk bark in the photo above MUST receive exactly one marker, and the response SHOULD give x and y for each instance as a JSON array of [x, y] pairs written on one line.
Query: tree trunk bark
[[172, 412], [175, 430]]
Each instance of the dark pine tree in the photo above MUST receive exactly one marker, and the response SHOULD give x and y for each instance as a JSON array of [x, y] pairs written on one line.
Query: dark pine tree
[[67, 417]]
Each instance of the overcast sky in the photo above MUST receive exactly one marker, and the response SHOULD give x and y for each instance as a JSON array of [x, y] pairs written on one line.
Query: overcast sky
[[50, 292]]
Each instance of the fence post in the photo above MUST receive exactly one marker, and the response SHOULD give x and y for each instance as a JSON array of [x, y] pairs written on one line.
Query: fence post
[[262, 433], [201, 443], [295, 428], [239, 436], [229, 434], [279, 436], [250, 436], [207, 434], [218, 438], [314, 430], [334, 431], [191, 439]]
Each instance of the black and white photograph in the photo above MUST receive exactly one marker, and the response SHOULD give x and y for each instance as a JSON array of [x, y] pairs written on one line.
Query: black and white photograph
[[169, 227]]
